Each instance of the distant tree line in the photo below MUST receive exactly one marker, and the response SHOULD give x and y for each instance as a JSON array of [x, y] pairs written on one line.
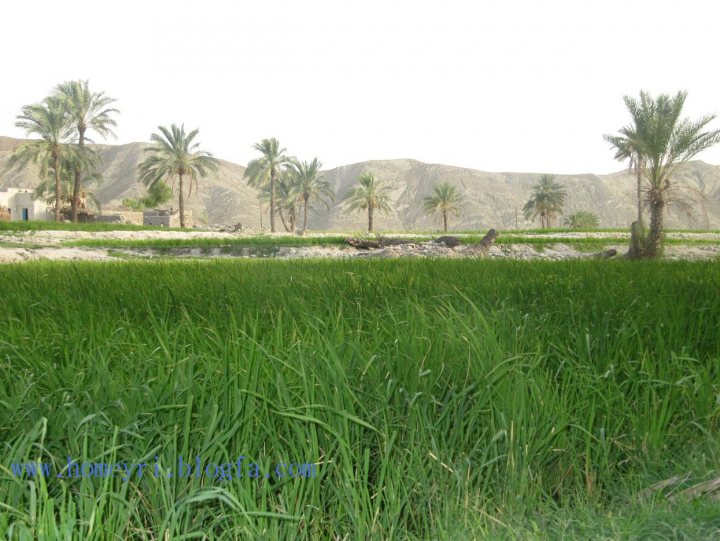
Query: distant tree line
[[655, 142]]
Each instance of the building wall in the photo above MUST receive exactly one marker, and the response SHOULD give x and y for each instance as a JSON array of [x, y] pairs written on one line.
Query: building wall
[[16, 200], [165, 219], [120, 216]]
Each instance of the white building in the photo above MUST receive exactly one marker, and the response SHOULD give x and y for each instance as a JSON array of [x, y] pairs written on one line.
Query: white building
[[22, 205]]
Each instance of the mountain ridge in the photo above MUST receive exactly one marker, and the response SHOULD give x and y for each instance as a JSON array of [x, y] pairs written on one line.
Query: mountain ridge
[[493, 199]]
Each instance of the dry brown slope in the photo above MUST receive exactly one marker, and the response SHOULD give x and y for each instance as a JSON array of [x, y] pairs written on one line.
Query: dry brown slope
[[493, 199]]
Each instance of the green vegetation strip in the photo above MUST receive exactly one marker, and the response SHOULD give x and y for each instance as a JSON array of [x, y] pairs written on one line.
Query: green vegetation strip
[[64, 226], [210, 242], [269, 241], [439, 399]]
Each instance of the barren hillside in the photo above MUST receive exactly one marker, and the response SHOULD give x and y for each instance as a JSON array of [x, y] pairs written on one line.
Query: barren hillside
[[493, 199]]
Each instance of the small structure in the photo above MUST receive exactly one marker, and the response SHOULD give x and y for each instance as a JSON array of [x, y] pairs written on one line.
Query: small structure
[[165, 218], [21, 205]]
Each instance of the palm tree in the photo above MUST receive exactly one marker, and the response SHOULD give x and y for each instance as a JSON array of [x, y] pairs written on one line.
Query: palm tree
[[287, 197], [310, 184], [266, 169], [445, 199], [48, 121], [45, 191], [174, 154], [370, 195], [626, 147], [88, 111], [665, 142], [547, 200]]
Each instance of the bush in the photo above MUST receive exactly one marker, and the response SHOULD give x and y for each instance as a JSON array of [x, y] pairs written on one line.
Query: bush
[[582, 219]]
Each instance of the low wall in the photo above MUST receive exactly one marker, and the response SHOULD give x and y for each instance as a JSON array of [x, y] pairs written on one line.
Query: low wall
[[164, 219], [120, 216]]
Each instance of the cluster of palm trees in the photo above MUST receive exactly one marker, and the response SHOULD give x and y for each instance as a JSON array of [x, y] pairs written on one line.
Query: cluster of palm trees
[[371, 195], [62, 124], [656, 142], [287, 184]]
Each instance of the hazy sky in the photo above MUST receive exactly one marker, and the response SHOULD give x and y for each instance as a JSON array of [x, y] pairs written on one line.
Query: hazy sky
[[495, 85]]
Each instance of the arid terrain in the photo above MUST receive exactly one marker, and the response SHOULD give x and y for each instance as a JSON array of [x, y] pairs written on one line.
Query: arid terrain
[[492, 199]]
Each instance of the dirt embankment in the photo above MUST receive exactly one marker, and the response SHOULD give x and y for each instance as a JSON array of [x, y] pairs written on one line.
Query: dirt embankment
[[48, 245]]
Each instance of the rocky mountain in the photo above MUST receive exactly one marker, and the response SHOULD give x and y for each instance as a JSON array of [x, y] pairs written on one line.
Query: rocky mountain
[[492, 199]]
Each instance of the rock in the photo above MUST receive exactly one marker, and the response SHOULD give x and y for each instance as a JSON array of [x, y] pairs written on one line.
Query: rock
[[449, 241], [612, 252], [489, 238]]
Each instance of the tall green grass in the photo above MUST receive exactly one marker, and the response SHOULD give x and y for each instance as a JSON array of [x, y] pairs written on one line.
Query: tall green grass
[[67, 226], [440, 399], [586, 243]]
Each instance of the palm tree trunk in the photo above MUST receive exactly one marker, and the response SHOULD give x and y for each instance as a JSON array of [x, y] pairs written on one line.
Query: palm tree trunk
[[58, 191], [637, 241], [282, 219], [445, 220], [306, 197], [653, 245], [370, 218], [273, 174], [78, 175], [639, 195], [181, 202]]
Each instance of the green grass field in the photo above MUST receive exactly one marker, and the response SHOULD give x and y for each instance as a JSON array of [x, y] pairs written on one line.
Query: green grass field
[[588, 244], [439, 399], [66, 226]]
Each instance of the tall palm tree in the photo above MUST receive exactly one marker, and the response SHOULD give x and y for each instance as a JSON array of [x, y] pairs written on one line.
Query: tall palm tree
[[89, 112], [49, 122], [287, 197], [45, 190], [310, 184], [445, 199], [665, 142], [370, 195], [266, 169], [174, 154], [626, 147], [547, 200]]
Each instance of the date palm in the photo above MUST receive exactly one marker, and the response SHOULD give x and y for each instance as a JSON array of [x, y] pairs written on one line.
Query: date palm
[[287, 198], [371, 195], [45, 190], [548, 199], [310, 184], [266, 169], [626, 147], [52, 133], [445, 199], [89, 112], [175, 156], [666, 141]]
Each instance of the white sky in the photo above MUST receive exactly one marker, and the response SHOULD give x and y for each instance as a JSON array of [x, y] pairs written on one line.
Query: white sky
[[514, 85]]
